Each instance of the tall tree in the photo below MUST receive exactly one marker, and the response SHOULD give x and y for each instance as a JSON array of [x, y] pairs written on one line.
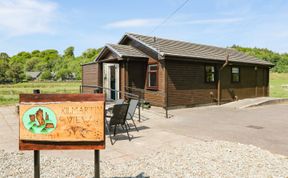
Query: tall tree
[[15, 72], [4, 56], [69, 52]]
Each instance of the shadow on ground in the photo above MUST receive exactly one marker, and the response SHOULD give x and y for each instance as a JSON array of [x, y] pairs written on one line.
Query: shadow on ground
[[141, 175]]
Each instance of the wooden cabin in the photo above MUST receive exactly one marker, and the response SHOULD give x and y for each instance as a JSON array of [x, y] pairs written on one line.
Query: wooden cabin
[[171, 73]]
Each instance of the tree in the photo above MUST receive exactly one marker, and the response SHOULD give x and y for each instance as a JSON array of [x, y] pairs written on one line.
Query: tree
[[4, 66], [282, 66], [35, 53], [279, 60], [3, 69], [31, 64], [64, 74], [4, 56], [49, 53], [46, 75], [15, 73], [91, 53], [69, 52]]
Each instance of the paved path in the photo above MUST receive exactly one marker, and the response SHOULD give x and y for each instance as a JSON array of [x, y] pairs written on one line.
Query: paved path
[[264, 126], [147, 140], [251, 102]]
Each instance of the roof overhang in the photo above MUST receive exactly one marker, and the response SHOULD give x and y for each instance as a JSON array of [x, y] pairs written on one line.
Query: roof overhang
[[112, 60], [89, 63], [122, 40], [206, 60], [117, 55]]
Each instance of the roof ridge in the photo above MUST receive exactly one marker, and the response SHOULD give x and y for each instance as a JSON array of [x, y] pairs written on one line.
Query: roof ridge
[[118, 49], [177, 40], [141, 41], [166, 46]]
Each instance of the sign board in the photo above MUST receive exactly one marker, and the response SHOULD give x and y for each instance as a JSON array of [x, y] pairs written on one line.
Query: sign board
[[61, 121]]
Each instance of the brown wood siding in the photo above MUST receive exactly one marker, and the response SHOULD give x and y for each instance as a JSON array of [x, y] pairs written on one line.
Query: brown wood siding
[[135, 80], [137, 74], [91, 75], [122, 78], [156, 97], [185, 79], [252, 83], [187, 86]]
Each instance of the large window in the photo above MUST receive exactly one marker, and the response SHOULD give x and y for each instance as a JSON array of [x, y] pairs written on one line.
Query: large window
[[209, 74], [235, 74], [152, 82]]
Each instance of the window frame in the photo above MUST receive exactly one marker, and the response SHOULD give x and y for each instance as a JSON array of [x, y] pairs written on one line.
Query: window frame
[[232, 74], [148, 76], [206, 73]]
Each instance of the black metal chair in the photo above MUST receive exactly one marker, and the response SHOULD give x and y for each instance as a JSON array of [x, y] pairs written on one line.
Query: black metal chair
[[109, 110], [119, 118], [131, 111]]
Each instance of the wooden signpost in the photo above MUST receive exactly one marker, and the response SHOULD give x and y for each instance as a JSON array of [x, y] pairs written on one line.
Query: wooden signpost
[[61, 122]]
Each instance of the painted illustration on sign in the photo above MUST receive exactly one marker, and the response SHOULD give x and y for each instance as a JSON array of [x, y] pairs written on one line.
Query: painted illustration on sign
[[66, 121], [39, 120]]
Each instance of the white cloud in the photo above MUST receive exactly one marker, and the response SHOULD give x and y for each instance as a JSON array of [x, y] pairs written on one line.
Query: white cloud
[[133, 23], [21, 17], [153, 22]]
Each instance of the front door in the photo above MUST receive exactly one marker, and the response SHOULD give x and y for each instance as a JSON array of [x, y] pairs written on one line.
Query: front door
[[111, 80]]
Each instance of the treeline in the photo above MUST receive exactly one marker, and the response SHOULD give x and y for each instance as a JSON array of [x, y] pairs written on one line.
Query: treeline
[[54, 66], [279, 60], [51, 64]]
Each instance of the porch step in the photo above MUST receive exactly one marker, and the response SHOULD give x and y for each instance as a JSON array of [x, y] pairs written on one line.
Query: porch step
[[252, 102]]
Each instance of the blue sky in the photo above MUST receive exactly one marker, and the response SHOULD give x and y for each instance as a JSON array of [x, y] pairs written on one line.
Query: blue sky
[[26, 25]]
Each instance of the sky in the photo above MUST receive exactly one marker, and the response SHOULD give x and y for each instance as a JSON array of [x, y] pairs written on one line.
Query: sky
[[26, 25]]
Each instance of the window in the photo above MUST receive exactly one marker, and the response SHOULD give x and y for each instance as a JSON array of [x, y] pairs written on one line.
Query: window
[[235, 74], [209, 74], [152, 76]]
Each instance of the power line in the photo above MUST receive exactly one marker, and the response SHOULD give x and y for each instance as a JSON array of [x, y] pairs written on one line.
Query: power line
[[168, 17]]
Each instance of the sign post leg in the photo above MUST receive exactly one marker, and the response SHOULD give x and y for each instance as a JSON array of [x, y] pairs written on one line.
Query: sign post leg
[[36, 164], [36, 152], [97, 163]]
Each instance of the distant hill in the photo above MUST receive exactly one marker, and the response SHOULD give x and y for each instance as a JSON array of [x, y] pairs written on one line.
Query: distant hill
[[279, 60]]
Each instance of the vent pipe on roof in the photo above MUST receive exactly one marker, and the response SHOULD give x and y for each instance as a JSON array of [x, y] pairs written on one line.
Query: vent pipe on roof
[[160, 56]]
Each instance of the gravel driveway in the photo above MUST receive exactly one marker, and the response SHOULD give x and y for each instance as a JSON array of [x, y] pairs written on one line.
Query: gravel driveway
[[200, 159]]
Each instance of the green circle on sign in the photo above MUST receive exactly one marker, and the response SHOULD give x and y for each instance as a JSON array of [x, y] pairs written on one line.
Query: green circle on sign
[[39, 120]]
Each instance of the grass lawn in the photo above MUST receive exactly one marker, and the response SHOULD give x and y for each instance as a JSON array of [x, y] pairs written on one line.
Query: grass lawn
[[277, 81], [9, 93]]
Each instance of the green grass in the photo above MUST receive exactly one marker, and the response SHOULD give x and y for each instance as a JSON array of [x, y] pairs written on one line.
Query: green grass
[[277, 80], [9, 93]]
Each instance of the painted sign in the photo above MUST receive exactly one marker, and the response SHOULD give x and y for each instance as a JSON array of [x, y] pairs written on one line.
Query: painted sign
[[39, 120], [61, 121]]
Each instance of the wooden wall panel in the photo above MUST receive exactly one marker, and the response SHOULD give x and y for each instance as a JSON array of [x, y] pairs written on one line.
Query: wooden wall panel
[[187, 86], [91, 75]]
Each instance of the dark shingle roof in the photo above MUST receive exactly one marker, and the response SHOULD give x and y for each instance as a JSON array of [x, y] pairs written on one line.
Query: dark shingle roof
[[166, 47], [125, 51]]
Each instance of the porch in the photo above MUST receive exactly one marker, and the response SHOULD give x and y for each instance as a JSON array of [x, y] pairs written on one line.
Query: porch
[[121, 71]]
